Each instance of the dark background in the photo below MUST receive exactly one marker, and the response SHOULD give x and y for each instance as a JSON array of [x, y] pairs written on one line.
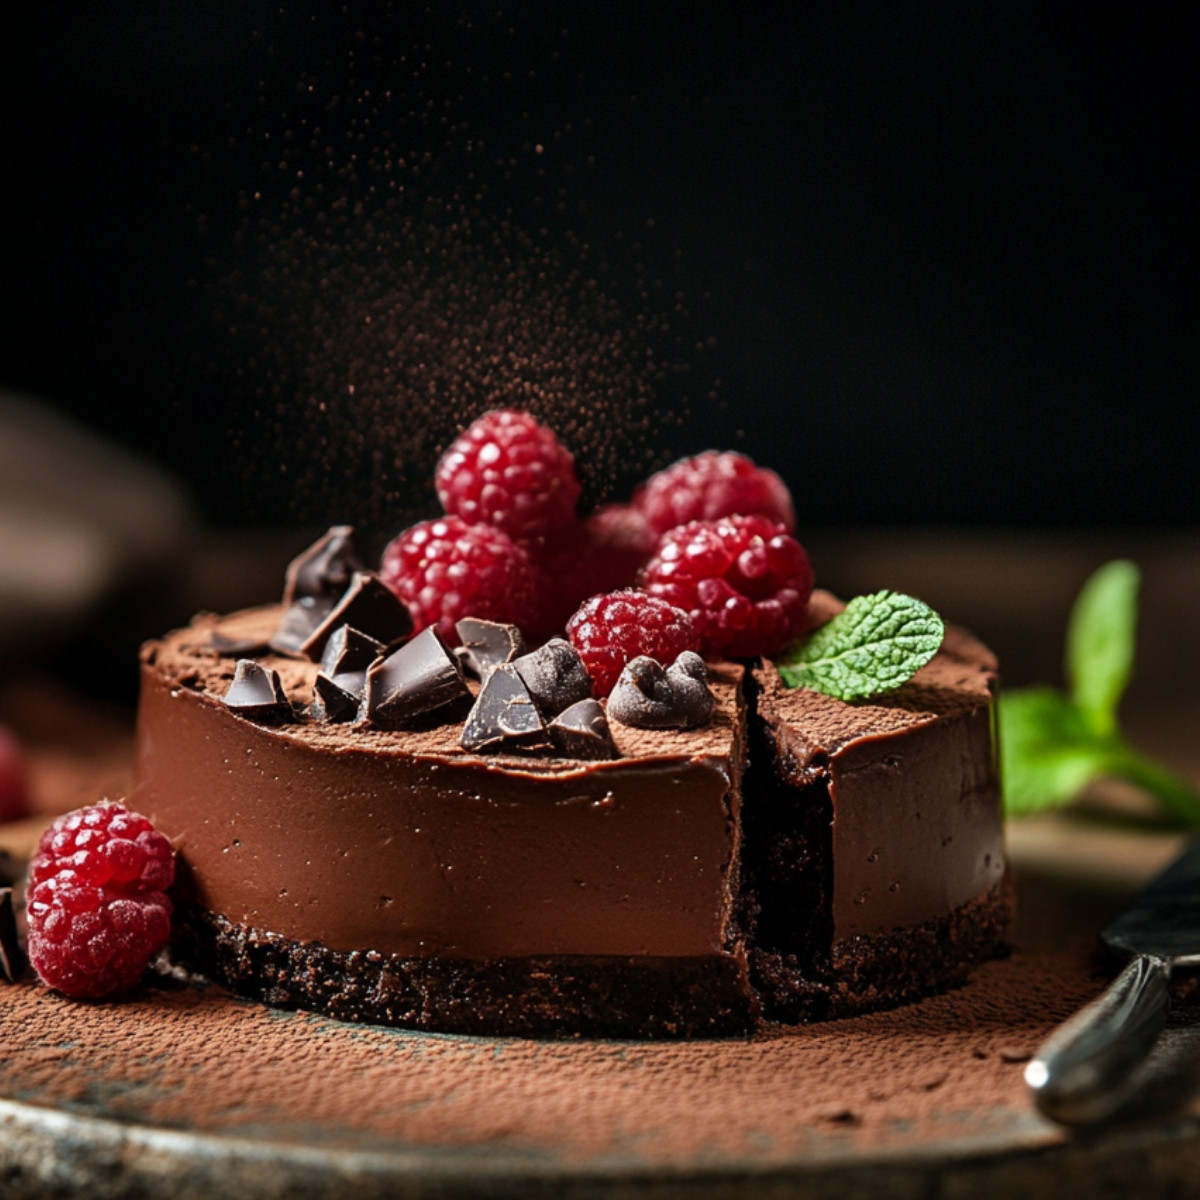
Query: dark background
[[945, 250]]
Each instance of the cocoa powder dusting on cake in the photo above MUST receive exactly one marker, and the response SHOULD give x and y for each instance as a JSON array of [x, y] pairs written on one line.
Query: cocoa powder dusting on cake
[[198, 1060]]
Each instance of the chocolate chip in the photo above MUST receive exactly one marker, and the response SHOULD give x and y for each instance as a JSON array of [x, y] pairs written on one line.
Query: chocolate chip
[[324, 570], [555, 676], [582, 731], [487, 644], [416, 679], [368, 605], [648, 697], [503, 714], [257, 693], [12, 958]]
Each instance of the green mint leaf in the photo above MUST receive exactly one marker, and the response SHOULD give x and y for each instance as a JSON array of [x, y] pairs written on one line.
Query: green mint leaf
[[1048, 751], [876, 644], [1101, 638]]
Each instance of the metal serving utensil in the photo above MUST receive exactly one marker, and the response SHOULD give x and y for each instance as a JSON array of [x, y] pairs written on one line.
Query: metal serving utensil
[[1085, 1069]]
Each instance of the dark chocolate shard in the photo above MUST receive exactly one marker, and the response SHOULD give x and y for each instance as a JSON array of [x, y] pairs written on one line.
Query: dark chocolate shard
[[339, 689], [648, 697], [257, 693], [555, 676], [504, 713], [325, 569], [416, 679], [12, 958], [368, 605], [297, 624], [338, 698], [349, 649], [316, 581], [228, 647], [487, 644], [582, 731]]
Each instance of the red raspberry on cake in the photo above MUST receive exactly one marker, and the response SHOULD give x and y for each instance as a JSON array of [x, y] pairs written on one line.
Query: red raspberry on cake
[[601, 554], [97, 907], [508, 471], [744, 580], [610, 630], [712, 485], [446, 569]]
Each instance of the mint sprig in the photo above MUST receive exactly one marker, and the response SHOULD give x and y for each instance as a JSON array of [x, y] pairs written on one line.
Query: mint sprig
[[1052, 744], [877, 643]]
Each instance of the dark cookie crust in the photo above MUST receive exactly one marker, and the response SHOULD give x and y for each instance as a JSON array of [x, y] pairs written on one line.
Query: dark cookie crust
[[886, 970], [596, 996]]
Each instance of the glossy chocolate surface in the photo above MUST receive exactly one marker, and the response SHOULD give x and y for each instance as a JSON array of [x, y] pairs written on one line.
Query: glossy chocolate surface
[[402, 842]]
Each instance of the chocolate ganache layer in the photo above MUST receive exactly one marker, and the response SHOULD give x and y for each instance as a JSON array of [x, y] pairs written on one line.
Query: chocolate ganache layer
[[392, 876]]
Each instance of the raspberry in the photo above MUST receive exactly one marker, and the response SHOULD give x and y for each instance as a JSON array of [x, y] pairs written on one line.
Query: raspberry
[[743, 579], [14, 779], [601, 554], [712, 485], [508, 471], [445, 570], [611, 629], [97, 909]]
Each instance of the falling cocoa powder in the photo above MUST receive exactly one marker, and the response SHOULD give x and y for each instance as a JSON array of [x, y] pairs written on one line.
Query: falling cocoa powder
[[407, 255]]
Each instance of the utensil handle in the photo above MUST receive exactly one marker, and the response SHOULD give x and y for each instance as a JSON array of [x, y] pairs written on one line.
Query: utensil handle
[[1082, 1072]]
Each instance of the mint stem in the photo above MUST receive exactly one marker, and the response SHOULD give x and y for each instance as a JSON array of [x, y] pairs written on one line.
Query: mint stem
[[1175, 793]]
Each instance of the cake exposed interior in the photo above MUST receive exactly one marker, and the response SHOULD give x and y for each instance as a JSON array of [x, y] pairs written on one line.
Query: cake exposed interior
[[795, 858]]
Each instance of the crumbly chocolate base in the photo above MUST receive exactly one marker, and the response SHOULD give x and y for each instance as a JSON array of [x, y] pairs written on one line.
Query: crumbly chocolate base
[[600, 996], [885, 970], [603, 996]]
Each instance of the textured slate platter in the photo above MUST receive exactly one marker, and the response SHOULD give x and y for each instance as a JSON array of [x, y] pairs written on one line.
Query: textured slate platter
[[193, 1093]]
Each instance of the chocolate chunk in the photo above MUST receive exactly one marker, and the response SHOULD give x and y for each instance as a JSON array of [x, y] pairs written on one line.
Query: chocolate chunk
[[316, 581], [418, 678], [504, 713], [339, 688], [338, 697], [349, 649], [257, 693], [368, 605], [325, 569], [582, 731], [648, 697], [487, 644], [555, 676], [228, 647], [297, 625], [12, 958]]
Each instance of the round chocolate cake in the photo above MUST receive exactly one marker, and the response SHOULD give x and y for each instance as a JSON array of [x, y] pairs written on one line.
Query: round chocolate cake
[[793, 858]]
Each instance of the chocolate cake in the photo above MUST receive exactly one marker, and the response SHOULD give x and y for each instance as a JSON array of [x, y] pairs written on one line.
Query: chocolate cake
[[794, 858]]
